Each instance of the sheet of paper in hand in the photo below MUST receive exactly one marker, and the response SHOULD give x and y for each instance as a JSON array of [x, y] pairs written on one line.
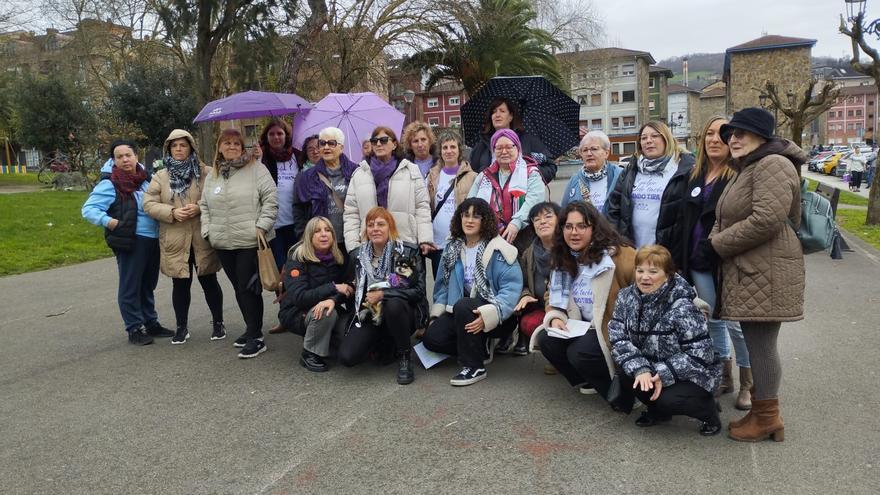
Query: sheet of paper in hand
[[576, 328]]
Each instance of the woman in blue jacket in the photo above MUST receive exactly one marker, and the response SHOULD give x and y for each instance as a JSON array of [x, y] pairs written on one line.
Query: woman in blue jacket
[[596, 179], [116, 204], [478, 285]]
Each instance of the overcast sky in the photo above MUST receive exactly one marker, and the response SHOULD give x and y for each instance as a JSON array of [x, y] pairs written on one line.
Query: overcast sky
[[677, 27]]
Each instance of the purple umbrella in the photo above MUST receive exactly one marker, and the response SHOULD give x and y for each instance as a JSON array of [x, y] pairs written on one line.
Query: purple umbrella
[[357, 114], [252, 104]]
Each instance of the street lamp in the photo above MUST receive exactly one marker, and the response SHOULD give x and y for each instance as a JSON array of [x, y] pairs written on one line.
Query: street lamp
[[854, 8], [790, 97], [408, 97]]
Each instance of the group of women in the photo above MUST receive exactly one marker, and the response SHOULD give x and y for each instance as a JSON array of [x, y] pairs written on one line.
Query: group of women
[[615, 287]]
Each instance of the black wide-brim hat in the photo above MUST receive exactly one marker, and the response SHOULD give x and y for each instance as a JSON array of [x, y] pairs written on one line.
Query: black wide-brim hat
[[755, 120]]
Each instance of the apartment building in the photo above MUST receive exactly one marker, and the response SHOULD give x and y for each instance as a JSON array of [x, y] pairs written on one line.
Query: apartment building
[[684, 105], [612, 87]]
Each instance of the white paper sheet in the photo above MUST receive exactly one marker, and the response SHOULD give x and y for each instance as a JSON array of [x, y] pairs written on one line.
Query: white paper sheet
[[427, 357], [576, 328]]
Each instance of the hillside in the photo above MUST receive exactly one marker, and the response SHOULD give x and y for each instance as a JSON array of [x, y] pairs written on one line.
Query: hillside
[[704, 68]]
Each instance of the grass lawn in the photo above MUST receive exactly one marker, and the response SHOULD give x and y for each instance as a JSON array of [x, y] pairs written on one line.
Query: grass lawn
[[19, 180], [853, 221], [41, 230], [846, 197]]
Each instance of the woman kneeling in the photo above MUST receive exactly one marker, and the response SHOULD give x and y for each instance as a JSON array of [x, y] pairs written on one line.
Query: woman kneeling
[[315, 288], [477, 287], [389, 297], [661, 342]]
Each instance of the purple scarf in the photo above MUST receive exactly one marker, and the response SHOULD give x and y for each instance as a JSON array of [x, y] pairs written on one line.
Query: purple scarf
[[308, 187], [326, 257], [381, 176]]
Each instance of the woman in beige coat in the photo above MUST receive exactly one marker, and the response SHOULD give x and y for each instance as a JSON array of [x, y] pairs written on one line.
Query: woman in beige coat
[[239, 202], [172, 200], [762, 262], [386, 179]]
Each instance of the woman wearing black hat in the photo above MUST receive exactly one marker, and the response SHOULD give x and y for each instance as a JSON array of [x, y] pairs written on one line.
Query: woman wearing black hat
[[762, 263]]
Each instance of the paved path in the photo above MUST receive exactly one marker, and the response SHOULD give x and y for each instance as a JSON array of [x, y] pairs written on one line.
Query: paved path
[[83, 412], [832, 181]]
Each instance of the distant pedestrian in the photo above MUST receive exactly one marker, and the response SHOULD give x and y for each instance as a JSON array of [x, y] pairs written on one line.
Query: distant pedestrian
[[647, 200], [871, 166], [857, 162], [117, 204], [172, 199], [315, 285], [595, 181], [762, 262], [239, 202]]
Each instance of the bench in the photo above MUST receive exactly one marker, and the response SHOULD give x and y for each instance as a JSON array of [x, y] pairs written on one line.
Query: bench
[[831, 193]]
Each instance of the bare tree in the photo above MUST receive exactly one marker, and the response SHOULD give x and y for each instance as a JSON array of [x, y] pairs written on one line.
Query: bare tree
[[856, 31], [575, 24], [799, 109]]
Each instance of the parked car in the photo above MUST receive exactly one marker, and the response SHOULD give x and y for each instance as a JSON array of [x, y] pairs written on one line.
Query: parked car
[[829, 166], [815, 162]]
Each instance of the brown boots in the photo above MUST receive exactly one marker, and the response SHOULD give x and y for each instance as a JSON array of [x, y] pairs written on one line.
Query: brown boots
[[761, 423], [744, 398], [726, 386]]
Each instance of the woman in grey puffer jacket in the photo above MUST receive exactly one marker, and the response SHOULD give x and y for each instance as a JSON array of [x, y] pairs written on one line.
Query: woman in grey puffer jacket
[[660, 340]]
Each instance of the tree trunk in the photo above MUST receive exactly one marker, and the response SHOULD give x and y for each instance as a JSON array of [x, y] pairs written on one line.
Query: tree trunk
[[299, 47], [205, 131], [874, 202], [797, 130]]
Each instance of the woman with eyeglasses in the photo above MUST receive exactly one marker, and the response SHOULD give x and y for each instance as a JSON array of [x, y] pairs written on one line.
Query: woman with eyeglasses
[[594, 182], [504, 113], [448, 181], [762, 261], [647, 199], [276, 144], [478, 286], [311, 152], [320, 190], [589, 263], [511, 186], [385, 178]]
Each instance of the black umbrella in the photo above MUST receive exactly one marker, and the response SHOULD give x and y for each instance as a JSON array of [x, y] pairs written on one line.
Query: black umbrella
[[548, 113]]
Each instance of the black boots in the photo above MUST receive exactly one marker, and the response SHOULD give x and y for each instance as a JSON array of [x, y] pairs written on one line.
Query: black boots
[[405, 374], [312, 362]]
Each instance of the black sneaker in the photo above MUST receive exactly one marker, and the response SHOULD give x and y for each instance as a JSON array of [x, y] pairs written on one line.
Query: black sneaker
[[219, 332], [252, 349], [156, 330], [648, 419], [312, 362], [181, 336], [405, 374], [468, 376], [521, 348], [240, 341], [138, 337], [505, 345]]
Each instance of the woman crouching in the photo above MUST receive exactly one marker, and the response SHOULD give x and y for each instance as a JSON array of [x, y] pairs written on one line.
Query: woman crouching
[[661, 342], [389, 296], [478, 285], [315, 289]]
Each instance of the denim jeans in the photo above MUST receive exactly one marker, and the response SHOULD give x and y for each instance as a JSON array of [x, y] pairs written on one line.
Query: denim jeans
[[720, 329]]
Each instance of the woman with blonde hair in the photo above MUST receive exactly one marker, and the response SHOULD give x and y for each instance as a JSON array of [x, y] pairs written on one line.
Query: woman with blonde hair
[[419, 143], [239, 202], [698, 264], [315, 284], [646, 202], [172, 199]]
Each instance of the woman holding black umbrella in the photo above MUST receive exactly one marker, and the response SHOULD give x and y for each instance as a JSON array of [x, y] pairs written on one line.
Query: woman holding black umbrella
[[505, 114]]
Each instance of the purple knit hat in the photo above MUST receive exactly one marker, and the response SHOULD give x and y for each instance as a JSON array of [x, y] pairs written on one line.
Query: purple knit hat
[[509, 134]]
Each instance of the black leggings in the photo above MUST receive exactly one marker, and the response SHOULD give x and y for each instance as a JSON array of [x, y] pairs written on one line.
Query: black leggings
[[180, 297], [397, 326], [240, 266]]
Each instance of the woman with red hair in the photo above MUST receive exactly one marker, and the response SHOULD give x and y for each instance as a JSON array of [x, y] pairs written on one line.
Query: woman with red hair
[[390, 301]]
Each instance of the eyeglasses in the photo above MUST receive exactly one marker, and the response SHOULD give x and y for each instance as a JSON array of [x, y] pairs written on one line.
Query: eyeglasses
[[594, 150], [499, 149], [737, 133], [332, 143], [576, 227], [383, 140]]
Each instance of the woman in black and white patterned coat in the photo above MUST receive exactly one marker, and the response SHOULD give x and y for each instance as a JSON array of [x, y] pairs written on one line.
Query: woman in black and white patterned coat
[[660, 341]]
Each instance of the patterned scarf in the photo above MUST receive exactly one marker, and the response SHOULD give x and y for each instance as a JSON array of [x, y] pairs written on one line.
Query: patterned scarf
[[561, 281], [586, 178], [452, 253], [506, 200], [655, 166], [127, 183], [381, 176], [225, 166], [367, 275], [181, 173]]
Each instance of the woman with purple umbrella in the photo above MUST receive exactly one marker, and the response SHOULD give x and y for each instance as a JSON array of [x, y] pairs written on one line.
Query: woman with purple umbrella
[[321, 190], [386, 179]]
